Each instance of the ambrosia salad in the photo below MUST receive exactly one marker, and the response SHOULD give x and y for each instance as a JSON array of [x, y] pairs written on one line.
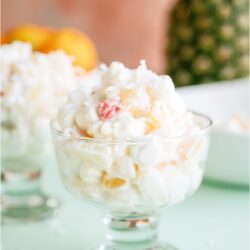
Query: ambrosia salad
[[127, 139], [33, 85]]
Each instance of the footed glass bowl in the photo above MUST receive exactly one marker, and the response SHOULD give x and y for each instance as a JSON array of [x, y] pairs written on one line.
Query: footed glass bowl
[[133, 181], [23, 154]]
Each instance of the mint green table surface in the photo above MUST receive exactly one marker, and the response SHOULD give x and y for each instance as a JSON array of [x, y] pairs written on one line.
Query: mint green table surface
[[215, 218]]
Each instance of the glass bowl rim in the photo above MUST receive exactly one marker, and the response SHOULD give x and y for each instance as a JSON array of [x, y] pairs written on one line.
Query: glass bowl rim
[[135, 140]]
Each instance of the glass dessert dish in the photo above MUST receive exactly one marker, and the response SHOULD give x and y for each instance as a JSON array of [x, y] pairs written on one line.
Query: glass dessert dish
[[22, 197], [133, 180], [33, 86]]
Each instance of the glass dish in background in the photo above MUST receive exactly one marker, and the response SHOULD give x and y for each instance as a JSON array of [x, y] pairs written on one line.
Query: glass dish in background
[[133, 198], [24, 150], [228, 157], [33, 86]]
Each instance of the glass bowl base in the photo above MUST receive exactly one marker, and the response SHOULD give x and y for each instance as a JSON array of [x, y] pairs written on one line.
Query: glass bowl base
[[141, 246], [38, 207]]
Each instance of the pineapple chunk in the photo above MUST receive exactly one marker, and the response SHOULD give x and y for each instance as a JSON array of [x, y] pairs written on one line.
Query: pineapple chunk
[[137, 113], [126, 93], [166, 164], [150, 94], [151, 124]]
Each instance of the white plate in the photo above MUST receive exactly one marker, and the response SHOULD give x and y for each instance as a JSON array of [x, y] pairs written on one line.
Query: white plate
[[228, 158]]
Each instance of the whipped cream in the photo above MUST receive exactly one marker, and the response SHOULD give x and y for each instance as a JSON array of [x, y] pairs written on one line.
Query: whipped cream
[[33, 86], [135, 152]]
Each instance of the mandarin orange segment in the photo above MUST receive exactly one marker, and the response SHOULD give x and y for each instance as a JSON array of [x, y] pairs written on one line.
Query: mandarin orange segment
[[137, 171], [82, 132], [112, 182]]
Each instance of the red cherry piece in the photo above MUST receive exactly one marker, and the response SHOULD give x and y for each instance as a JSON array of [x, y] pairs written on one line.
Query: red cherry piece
[[108, 109]]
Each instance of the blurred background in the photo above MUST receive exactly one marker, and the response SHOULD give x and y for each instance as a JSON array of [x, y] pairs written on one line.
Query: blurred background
[[194, 41]]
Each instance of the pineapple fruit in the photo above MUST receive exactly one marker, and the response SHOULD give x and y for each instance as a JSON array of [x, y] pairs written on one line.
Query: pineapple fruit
[[208, 41]]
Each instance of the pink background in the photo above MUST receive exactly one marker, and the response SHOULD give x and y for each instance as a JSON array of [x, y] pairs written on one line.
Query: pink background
[[123, 30]]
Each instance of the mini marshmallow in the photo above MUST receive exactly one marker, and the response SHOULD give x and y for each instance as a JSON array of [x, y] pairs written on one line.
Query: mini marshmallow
[[152, 187], [87, 154], [90, 175], [124, 168], [148, 155], [176, 184]]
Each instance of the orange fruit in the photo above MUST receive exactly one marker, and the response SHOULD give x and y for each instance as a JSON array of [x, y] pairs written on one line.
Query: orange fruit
[[3, 39], [28, 33], [75, 44]]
